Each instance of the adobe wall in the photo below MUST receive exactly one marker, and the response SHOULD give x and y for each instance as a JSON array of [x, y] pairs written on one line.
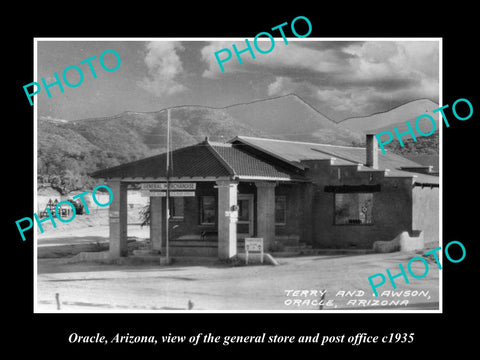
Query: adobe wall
[[391, 210], [425, 209]]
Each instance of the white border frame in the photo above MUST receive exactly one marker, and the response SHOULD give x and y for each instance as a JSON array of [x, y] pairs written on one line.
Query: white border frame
[[366, 311]]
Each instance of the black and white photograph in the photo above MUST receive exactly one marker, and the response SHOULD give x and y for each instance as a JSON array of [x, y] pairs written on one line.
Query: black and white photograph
[[210, 175], [225, 179]]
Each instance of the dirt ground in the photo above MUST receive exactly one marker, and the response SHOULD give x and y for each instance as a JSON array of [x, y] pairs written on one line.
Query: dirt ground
[[209, 285]]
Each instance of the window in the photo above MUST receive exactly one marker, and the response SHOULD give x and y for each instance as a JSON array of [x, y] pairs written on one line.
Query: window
[[207, 210], [176, 208], [353, 208], [280, 210]]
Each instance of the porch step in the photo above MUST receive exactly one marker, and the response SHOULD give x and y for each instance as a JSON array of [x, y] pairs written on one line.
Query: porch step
[[311, 252], [138, 259], [193, 243], [240, 245], [144, 252], [202, 243], [343, 251]]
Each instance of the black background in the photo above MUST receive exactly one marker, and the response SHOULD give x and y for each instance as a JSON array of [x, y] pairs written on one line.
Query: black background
[[46, 334]]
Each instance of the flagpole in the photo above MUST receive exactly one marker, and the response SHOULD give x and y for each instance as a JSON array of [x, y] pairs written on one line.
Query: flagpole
[[167, 201]]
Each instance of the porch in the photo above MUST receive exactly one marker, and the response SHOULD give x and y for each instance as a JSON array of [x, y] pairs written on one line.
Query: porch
[[214, 222], [234, 197]]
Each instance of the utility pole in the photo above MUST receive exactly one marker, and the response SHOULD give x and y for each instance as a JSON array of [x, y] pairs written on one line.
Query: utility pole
[[167, 205]]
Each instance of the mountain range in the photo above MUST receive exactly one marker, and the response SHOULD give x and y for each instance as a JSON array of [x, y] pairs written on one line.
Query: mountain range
[[69, 150], [398, 117]]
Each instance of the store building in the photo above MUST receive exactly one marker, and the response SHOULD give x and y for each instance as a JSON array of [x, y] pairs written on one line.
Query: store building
[[286, 192]]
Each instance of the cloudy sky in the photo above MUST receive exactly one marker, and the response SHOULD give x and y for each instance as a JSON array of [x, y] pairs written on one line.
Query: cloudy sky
[[339, 78]]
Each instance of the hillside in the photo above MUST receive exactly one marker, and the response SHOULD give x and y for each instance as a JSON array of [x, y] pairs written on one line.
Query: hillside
[[426, 148], [397, 116], [68, 151], [424, 151], [142, 134], [290, 118]]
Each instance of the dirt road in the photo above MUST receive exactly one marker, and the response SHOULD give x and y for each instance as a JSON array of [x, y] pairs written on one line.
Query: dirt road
[[296, 284]]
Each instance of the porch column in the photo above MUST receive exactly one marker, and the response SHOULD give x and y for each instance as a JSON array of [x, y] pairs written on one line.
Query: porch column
[[227, 225], [156, 223], [118, 219], [266, 213]]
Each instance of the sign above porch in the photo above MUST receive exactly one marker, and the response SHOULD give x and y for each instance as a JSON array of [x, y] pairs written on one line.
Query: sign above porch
[[146, 193], [172, 186]]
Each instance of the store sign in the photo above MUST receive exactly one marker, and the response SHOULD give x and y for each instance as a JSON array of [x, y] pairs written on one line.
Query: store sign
[[171, 186], [153, 193]]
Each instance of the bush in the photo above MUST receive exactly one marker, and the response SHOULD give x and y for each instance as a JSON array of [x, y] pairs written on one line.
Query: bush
[[144, 213]]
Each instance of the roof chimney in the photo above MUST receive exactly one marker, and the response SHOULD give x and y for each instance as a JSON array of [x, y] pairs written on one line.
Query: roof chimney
[[372, 151]]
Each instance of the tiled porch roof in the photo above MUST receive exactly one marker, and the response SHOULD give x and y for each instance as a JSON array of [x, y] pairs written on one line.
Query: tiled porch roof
[[205, 160]]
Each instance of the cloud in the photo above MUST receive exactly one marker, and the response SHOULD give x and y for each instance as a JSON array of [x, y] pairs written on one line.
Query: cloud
[[281, 86], [292, 56], [386, 65], [208, 56], [284, 85], [403, 62], [376, 52], [346, 61], [344, 78], [389, 71], [366, 77], [164, 67]]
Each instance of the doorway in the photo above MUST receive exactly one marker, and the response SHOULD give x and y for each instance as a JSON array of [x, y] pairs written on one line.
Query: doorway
[[245, 215]]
